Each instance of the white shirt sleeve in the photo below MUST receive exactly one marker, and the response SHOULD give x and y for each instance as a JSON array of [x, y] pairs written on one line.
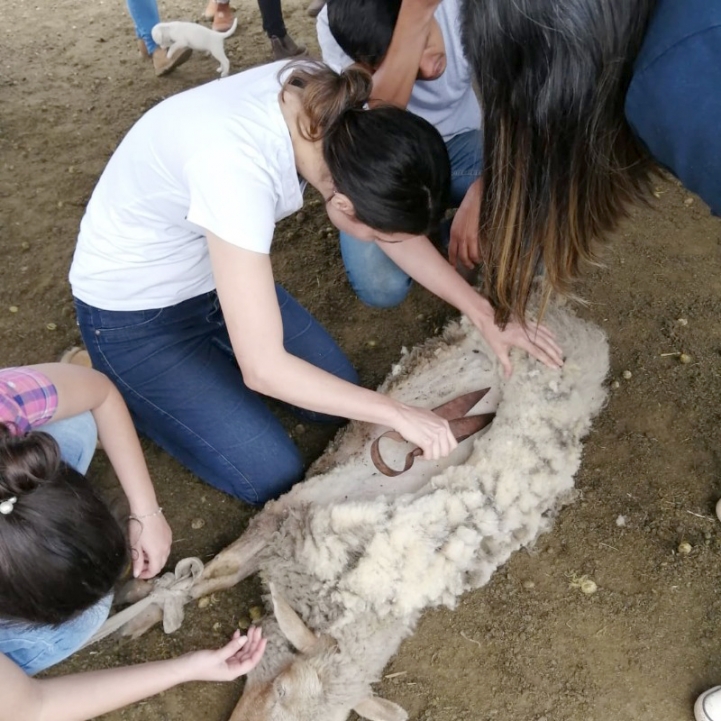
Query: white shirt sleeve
[[331, 52], [232, 197]]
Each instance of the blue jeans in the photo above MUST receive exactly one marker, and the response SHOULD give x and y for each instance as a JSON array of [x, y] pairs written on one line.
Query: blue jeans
[[145, 16], [77, 438], [37, 647], [674, 100], [176, 369], [374, 277]]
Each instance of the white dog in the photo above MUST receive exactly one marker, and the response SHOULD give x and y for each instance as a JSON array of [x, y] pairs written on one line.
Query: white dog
[[179, 35]]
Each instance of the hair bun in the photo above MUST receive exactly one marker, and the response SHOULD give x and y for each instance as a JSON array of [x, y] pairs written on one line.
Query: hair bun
[[326, 95], [26, 461], [356, 84]]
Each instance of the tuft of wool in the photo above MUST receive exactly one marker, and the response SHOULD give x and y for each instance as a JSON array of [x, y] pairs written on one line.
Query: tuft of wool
[[360, 556]]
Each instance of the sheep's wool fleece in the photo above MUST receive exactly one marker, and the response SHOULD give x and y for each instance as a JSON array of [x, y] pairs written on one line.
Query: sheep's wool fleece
[[356, 568]]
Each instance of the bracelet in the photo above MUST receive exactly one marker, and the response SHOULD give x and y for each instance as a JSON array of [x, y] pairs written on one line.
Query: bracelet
[[157, 512]]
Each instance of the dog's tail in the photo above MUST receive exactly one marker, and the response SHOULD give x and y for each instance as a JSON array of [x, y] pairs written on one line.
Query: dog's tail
[[230, 30]]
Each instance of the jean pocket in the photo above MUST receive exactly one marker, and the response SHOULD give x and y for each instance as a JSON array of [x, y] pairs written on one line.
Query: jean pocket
[[122, 320], [215, 313], [121, 326]]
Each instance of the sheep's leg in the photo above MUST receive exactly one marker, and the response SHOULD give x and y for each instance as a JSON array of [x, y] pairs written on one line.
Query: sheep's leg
[[145, 620], [234, 563], [132, 592], [238, 560]]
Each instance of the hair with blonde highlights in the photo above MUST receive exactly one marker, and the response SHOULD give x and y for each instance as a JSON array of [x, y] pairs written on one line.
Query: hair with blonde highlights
[[562, 165]]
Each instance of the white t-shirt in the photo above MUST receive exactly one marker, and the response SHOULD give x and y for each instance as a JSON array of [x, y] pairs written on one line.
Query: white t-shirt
[[218, 157], [448, 102]]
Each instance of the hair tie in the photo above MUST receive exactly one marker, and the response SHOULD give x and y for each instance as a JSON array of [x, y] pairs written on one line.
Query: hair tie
[[7, 507]]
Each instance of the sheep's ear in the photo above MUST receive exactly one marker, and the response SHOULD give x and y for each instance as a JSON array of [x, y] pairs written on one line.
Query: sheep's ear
[[291, 625], [374, 708]]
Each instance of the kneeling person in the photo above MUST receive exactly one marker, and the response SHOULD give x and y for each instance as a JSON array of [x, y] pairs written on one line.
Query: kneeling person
[[415, 53]]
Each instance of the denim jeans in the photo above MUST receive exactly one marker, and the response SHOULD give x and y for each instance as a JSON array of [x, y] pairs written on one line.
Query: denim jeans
[[176, 369], [272, 14], [36, 647], [374, 277], [145, 16], [77, 438], [673, 102]]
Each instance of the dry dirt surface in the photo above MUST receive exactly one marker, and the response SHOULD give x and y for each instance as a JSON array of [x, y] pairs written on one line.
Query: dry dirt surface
[[529, 646]]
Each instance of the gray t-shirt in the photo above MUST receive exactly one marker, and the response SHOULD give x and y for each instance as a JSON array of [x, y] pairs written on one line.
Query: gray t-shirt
[[448, 102]]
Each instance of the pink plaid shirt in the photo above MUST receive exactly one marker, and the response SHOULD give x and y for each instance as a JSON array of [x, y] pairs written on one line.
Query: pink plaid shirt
[[28, 399]]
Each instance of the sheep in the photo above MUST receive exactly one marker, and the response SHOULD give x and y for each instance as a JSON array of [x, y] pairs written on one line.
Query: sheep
[[353, 558]]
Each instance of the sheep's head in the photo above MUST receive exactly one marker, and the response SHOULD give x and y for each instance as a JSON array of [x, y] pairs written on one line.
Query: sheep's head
[[312, 686]]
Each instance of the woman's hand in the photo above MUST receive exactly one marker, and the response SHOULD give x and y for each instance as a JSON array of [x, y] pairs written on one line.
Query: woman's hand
[[235, 659], [431, 433], [150, 539], [465, 247], [537, 340], [426, 266]]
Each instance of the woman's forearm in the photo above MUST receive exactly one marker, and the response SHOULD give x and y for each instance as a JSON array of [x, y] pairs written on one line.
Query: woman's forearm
[[302, 384], [393, 81], [420, 259]]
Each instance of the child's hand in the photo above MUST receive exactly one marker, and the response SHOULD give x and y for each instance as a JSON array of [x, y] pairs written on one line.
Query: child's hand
[[235, 659], [150, 540]]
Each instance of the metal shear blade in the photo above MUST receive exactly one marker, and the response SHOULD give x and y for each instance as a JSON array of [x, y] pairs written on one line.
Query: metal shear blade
[[454, 411]]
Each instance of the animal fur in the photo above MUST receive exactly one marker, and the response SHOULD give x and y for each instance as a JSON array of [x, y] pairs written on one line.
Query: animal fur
[[179, 35], [358, 556], [360, 572]]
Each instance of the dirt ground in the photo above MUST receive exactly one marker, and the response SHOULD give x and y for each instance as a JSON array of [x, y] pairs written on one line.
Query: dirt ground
[[527, 646]]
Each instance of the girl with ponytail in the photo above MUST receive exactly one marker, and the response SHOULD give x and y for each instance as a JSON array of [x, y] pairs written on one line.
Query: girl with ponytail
[[62, 550], [174, 286]]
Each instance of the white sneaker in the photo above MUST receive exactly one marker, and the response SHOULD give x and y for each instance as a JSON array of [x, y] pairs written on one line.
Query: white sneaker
[[708, 705]]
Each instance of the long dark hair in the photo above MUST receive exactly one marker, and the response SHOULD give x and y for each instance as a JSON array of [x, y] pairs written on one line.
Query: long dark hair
[[61, 549], [561, 163], [392, 165]]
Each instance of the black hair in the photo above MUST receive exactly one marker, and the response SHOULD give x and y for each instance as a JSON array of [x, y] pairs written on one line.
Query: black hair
[[394, 168], [561, 164], [391, 164], [61, 548], [364, 28]]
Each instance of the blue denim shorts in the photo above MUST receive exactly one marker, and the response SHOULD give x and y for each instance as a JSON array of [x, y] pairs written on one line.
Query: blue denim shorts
[[35, 648]]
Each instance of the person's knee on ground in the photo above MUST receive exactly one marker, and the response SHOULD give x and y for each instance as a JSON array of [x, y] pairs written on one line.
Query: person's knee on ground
[[376, 280]]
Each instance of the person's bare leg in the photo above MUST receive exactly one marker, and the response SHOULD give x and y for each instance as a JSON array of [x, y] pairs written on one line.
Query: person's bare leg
[[210, 9]]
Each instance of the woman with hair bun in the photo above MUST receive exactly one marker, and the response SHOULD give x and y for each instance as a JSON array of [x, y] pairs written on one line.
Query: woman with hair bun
[[173, 280]]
